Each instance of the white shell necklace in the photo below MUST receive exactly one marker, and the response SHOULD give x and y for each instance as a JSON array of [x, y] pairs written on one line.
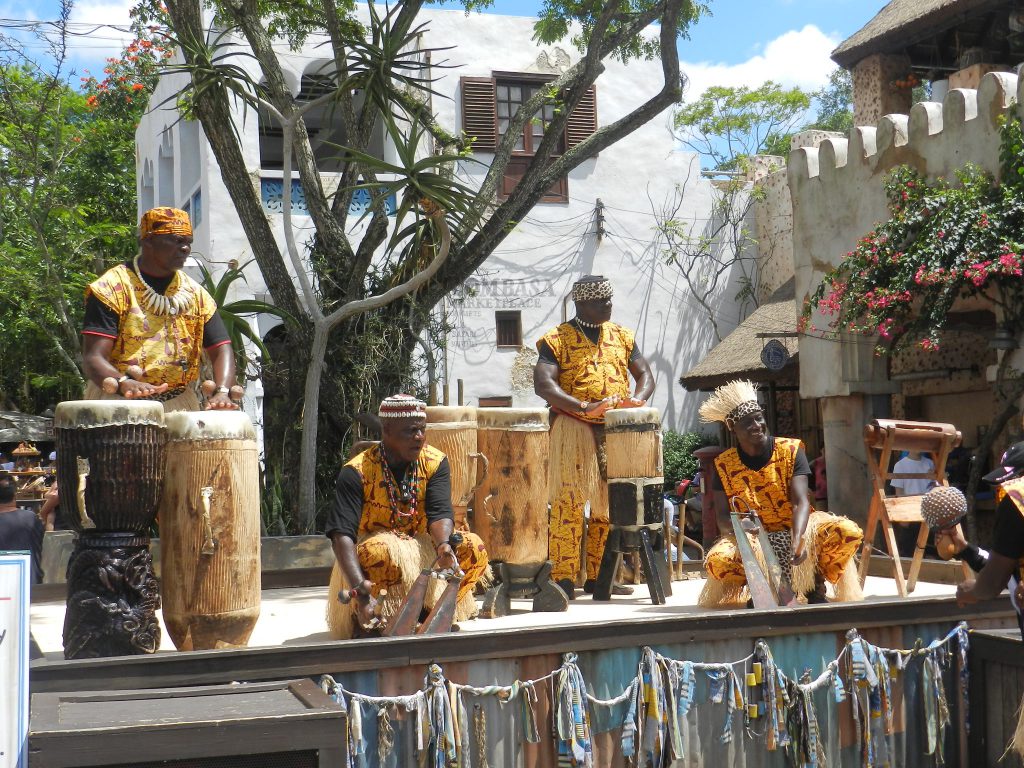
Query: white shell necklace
[[157, 303]]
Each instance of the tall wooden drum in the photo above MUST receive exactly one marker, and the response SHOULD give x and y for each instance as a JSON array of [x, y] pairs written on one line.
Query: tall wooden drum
[[210, 530], [110, 463], [633, 442], [452, 430], [636, 508], [110, 466], [510, 512]]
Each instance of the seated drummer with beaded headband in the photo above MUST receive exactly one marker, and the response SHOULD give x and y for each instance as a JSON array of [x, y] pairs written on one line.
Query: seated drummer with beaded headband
[[147, 324], [770, 475], [582, 372], [391, 517]]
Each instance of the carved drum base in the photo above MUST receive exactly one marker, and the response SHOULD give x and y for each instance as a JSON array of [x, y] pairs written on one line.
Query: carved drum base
[[523, 580], [113, 597]]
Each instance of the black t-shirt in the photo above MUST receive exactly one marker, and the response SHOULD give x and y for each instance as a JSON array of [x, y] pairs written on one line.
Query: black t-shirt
[[103, 321], [1008, 531], [757, 463], [347, 508], [21, 530], [547, 355]]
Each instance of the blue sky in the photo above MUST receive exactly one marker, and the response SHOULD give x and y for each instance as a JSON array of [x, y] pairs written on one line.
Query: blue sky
[[742, 42]]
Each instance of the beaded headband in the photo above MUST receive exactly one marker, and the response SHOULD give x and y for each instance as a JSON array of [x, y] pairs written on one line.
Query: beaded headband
[[590, 289], [402, 407]]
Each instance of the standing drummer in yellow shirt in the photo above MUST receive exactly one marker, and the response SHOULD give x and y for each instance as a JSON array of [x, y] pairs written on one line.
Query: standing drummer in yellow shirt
[[584, 371]]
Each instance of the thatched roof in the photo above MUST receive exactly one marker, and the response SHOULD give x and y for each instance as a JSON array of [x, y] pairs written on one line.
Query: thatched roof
[[738, 355], [903, 23]]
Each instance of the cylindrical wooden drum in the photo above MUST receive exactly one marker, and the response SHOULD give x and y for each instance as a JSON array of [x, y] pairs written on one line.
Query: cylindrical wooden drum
[[210, 530], [110, 463], [452, 430], [910, 435], [633, 442], [510, 512]]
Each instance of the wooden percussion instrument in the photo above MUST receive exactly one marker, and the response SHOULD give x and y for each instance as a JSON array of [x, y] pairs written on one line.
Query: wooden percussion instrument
[[511, 507], [633, 442], [510, 512], [636, 510], [110, 463], [210, 530], [110, 469], [453, 430]]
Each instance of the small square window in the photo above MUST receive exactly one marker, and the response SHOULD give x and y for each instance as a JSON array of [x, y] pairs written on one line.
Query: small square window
[[508, 329]]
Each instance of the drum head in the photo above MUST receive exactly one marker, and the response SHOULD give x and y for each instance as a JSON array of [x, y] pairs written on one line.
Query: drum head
[[209, 425], [88, 414], [515, 419], [631, 417]]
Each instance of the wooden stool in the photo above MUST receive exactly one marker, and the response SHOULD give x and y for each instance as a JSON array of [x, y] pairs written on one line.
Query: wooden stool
[[883, 437]]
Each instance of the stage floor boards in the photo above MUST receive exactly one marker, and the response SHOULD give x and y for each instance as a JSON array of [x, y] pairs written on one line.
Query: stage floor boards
[[295, 616]]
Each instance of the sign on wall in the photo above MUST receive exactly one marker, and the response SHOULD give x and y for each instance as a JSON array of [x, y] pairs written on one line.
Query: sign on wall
[[15, 573]]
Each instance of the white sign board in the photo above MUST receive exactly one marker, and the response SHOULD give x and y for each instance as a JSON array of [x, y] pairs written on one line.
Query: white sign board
[[15, 574]]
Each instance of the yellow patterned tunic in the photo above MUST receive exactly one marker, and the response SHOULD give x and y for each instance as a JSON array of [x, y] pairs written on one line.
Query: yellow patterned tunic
[[590, 371], [836, 539], [167, 348], [375, 557]]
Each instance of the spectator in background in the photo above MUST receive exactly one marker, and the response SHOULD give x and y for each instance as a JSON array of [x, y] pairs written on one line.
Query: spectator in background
[[20, 529], [49, 512], [914, 463]]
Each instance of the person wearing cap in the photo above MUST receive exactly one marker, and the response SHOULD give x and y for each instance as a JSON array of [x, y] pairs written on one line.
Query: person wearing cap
[[148, 313], [391, 517], [583, 371], [1006, 560], [769, 474]]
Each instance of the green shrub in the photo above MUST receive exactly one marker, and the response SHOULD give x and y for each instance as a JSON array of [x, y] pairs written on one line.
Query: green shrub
[[677, 454]]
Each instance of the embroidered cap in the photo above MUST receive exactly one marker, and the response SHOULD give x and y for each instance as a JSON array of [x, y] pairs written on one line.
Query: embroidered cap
[[590, 287], [402, 407], [164, 221]]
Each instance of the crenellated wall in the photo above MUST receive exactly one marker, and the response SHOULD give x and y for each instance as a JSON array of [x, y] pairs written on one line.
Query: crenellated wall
[[838, 197]]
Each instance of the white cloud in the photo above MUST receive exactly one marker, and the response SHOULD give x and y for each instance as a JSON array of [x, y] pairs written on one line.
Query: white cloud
[[799, 57], [109, 39]]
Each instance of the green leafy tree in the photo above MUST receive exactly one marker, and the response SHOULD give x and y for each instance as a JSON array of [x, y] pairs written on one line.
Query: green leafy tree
[[67, 182], [835, 104], [729, 125], [350, 305]]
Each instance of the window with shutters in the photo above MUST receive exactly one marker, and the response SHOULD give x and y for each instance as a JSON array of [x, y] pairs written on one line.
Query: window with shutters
[[508, 327], [488, 105]]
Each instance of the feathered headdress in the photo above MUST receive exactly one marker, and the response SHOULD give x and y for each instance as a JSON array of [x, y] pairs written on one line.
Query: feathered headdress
[[730, 402]]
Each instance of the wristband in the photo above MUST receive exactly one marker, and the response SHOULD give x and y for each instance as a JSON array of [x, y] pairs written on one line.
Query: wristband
[[221, 390], [122, 380]]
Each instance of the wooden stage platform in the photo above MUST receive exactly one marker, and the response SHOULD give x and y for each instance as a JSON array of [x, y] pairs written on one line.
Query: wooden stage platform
[[290, 643]]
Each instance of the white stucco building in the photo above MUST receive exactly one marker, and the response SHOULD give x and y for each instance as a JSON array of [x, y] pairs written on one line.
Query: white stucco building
[[601, 220]]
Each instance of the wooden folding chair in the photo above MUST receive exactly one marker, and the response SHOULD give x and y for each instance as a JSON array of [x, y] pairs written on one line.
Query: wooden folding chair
[[883, 438]]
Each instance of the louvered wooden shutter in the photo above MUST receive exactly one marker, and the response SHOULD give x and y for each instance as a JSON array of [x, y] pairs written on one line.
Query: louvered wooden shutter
[[478, 112], [583, 120]]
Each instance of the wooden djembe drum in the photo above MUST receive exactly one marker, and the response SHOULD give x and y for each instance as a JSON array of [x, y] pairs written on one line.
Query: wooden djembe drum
[[636, 510], [110, 469], [510, 512], [210, 530], [453, 431]]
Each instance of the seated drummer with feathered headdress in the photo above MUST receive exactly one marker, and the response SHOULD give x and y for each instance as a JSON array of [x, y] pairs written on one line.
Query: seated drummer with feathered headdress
[[770, 475]]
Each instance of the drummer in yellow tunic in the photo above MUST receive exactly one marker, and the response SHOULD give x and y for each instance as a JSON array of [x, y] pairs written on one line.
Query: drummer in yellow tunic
[[150, 314], [392, 516], [770, 474], [584, 371]]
